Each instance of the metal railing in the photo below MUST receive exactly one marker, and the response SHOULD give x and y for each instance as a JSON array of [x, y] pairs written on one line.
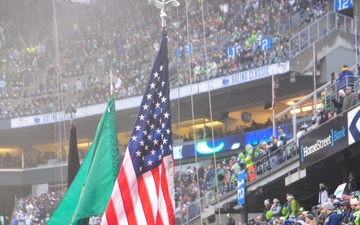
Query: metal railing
[[357, 88], [331, 92], [318, 30], [266, 163]]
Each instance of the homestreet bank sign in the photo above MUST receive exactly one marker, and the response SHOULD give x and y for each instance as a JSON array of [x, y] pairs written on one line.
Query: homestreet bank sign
[[323, 142]]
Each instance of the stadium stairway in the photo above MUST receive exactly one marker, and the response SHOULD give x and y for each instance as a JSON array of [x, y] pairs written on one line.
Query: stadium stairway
[[326, 38]]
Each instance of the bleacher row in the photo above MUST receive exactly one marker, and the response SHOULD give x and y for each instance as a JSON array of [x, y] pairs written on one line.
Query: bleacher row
[[31, 84]]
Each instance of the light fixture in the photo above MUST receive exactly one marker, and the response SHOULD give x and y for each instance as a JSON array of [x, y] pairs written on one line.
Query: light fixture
[[306, 108], [290, 103], [208, 124], [84, 145], [296, 111]]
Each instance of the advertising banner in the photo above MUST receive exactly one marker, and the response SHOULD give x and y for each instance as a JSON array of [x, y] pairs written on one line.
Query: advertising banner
[[323, 142], [241, 188]]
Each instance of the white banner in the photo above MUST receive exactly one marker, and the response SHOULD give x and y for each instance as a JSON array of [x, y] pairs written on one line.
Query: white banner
[[134, 102]]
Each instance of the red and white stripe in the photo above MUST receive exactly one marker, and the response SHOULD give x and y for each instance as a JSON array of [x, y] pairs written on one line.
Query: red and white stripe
[[148, 199]]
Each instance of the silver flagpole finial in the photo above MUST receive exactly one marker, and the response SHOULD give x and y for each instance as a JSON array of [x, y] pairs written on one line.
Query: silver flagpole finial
[[161, 5]]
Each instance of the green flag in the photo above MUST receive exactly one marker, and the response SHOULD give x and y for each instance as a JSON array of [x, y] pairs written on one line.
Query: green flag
[[91, 188]]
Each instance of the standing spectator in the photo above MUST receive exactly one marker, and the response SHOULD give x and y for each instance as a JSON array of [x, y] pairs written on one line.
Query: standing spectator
[[338, 103], [351, 184], [282, 137], [201, 171], [344, 73], [323, 194], [302, 131], [346, 213], [349, 100], [230, 220], [353, 204], [78, 86], [334, 77], [281, 142], [293, 206], [276, 208], [273, 154], [331, 217], [267, 208], [14, 221], [220, 174]]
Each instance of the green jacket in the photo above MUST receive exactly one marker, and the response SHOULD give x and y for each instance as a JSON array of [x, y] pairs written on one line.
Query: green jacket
[[294, 208]]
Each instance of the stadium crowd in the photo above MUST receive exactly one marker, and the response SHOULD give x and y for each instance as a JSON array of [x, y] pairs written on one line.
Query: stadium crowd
[[31, 83], [89, 48]]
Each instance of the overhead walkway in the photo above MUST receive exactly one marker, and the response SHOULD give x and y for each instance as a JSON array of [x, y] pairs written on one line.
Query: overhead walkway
[[324, 36]]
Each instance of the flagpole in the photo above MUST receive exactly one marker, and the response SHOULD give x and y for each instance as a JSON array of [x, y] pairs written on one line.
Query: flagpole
[[111, 83], [273, 102], [356, 42], [314, 72]]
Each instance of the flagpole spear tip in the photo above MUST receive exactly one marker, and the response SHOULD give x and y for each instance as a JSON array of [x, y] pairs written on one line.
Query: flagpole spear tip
[[71, 111], [161, 5]]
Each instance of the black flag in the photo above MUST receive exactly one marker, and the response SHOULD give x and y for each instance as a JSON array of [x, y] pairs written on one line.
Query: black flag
[[73, 161]]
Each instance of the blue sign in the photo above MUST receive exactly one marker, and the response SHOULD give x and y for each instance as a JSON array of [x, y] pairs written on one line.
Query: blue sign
[[187, 50], [241, 188], [232, 50], [340, 5], [265, 43]]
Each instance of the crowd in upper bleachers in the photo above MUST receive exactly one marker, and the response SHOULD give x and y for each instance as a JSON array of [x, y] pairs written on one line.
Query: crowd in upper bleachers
[[126, 42]]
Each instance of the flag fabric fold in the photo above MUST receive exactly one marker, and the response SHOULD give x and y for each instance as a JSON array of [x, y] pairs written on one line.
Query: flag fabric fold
[[144, 190], [91, 188], [73, 159]]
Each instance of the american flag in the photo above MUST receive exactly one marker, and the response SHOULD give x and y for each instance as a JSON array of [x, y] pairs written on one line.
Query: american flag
[[144, 190]]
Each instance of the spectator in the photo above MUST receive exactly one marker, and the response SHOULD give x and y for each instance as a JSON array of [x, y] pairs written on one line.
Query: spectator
[[338, 102], [230, 220], [351, 185], [220, 174], [268, 123], [315, 121], [302, 131], [344, 73], [323, 115], [293, 206], [334, 77], [274, 161], [349, 100], [330, 115], [282, 137], [323, 194], [346, 213], [280, 143], [332, 217], [309, 219], [201, 171], [267, 208], [276, 208], [250, 167]]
